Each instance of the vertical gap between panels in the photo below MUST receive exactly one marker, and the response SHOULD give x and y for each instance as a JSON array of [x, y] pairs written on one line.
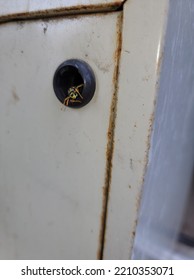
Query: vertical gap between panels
[[110, 139]]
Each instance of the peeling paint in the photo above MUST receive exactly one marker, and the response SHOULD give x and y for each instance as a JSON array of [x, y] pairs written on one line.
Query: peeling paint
[[110, 140]]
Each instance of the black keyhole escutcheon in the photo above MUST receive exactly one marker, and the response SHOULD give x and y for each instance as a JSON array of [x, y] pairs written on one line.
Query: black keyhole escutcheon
[[74, 83]]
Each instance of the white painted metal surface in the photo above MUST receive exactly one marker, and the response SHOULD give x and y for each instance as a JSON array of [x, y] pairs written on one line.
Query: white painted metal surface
[[144, 25], [28, 7], [53, 160]]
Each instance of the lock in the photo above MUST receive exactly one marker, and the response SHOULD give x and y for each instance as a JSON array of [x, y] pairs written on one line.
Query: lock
[[74, 83]]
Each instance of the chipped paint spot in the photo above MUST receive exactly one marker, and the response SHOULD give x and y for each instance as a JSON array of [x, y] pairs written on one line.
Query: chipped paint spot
[[44, 30], [110, 140], [15, 97], [20, 24], [45, 27]]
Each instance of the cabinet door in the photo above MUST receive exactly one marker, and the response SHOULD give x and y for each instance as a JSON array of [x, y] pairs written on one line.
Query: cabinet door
[[53, 159]]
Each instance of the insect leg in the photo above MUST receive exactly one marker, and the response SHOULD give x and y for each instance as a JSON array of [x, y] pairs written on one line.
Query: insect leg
[[73, 101], [80, 86], [66, 101], [76, 89]]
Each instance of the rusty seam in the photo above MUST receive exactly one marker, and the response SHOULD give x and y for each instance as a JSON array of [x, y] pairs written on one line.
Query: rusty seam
[[110, 142], [80, 9]]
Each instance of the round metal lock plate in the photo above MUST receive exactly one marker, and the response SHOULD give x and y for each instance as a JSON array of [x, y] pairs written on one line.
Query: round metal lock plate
[[74, 83]]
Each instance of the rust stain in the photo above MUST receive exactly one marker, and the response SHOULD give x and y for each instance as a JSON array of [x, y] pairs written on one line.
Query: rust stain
[[132, 236], [110, 141], [79, 9], [139, 196], [148, 142], [159, 63], [150, 129]]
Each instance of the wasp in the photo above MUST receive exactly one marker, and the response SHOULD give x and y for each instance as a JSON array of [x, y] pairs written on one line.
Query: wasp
[[73, 94]]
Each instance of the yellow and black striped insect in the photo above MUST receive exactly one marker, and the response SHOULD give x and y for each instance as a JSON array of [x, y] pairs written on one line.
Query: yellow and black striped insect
[[73, 95]]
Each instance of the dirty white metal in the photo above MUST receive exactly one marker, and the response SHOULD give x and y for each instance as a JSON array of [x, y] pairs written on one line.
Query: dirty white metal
[[53, 160], [143, 30], [30, 7]]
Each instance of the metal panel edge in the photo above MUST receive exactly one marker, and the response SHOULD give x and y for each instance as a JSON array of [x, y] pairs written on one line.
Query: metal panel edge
[[142, 50]]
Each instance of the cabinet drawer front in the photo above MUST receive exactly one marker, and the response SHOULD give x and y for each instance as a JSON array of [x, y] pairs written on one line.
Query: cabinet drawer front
[[53, 158], [23, 8]]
